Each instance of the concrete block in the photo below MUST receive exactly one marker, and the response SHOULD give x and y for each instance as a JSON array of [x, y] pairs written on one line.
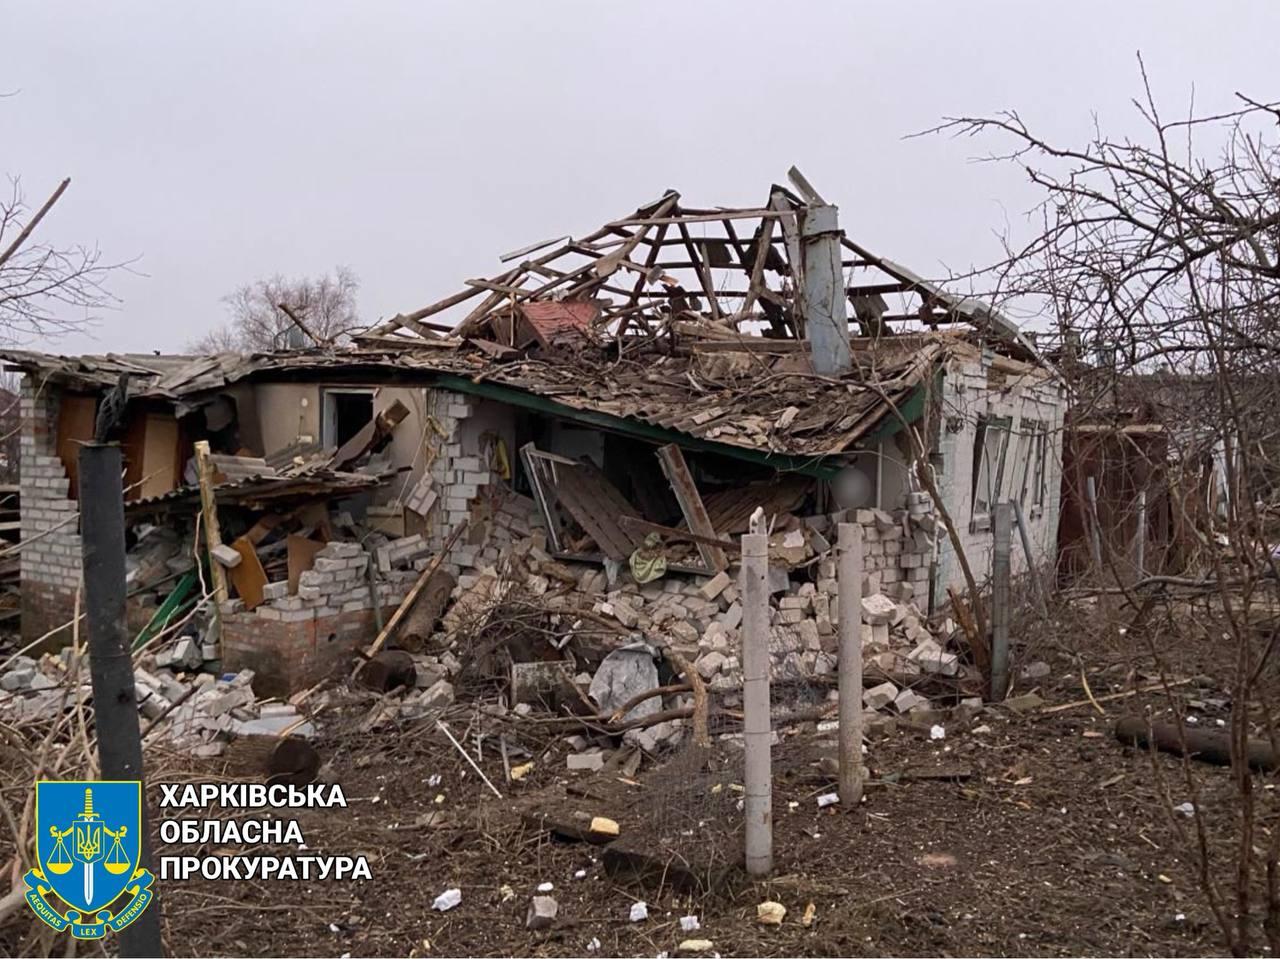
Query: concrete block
[[716, 585], [542, 913], [585, 762], [879, 697]]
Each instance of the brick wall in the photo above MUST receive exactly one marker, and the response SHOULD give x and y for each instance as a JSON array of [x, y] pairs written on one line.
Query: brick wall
[[50, 566], [292, 642], [287, 656]]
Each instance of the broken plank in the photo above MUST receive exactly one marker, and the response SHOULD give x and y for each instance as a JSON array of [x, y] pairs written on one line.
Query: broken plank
[[248, 576], [691, 505], [679, 535], [301, 557], [369, 435], [403, 609]]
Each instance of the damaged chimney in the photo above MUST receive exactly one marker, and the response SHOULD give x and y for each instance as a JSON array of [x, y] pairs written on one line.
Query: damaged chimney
[[822, 279]]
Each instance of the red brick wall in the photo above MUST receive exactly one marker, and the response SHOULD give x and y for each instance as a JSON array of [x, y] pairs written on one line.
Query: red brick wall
[[44, 608], [289, 656]]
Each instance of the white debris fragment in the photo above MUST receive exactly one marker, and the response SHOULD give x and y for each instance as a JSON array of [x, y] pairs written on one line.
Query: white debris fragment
[[542, 913], [828, 799], [593, 945], [1186, 808], [689, 924], [447, 900], [639, 912], [938, 732], [546, 886]]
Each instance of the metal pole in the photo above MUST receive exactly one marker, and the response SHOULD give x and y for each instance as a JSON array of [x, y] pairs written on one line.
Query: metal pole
[[1000, 602], [1142, 533], [115, 703], [1033, 571], [849, 544], [1095, 536], [755, 698]]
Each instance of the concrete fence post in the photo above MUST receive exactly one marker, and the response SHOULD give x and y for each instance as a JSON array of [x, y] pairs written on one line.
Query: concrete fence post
[[1001, 528], [757, 731], [849, 545]]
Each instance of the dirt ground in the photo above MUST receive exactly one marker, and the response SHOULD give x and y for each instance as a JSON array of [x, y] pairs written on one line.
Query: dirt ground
[[1048, 838]]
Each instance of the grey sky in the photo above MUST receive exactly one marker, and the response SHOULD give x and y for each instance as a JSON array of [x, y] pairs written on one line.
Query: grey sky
[[414, 142]]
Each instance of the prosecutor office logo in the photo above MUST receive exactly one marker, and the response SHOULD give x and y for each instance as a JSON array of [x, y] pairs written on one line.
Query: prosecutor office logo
[[88, 840]]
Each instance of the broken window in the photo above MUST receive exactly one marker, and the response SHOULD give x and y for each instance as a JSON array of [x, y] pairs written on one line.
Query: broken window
[[345, 413], [990, 444], [1035, 451]]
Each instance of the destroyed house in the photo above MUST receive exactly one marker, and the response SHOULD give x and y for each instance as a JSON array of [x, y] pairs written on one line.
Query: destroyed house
[[621, 403]]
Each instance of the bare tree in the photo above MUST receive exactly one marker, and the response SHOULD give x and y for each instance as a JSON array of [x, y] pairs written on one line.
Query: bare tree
[[45, 289], [277, 313], [1157, 259]]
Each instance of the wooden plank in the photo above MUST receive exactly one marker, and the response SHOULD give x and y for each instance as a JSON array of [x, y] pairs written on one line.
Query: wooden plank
[[695, 513], [209, 513], [701, 217], [76, 415], [680, 535], [756, 283], [596, 504], [249, 578], [368, 435], [301, 557], [407, 604], [704, 274]]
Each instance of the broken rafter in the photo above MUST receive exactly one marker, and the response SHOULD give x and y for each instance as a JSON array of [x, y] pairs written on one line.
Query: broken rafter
[[704, 274], [764, 242], [700, 217]]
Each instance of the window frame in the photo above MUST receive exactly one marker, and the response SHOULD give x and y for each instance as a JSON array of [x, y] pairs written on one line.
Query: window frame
[[329, 411], [1035, 467], [980, 515]]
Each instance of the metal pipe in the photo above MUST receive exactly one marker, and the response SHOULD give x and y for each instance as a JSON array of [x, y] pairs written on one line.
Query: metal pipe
[[115, 702], [849, 546], [1141, 544], [755, 698], [1000, 602], [1033, 571]]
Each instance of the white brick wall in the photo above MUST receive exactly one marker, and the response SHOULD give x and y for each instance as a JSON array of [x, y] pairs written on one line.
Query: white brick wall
[[55, 557], [967, 394]]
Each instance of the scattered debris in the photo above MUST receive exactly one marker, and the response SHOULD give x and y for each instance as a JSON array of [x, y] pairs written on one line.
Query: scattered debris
[[447, 900], [770, 913], [542, 912]]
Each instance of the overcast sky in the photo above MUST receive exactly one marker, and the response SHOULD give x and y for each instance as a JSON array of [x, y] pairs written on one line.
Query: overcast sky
[[415, 142]]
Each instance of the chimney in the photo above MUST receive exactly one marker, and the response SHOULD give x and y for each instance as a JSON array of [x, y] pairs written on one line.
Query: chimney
[[823, 304]]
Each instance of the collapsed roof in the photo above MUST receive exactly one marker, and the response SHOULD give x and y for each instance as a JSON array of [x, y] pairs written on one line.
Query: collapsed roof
[[680, 318]]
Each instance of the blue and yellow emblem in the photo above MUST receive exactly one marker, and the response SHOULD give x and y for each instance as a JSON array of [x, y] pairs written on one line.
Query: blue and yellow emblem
[[88, 845]]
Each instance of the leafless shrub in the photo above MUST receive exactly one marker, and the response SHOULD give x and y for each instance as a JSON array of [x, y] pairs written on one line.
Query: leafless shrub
[[45, 289], [1157, 259]]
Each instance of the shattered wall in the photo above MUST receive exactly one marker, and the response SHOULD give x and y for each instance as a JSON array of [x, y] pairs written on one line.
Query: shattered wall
[[50, 565], [293, 641], [982, 385]]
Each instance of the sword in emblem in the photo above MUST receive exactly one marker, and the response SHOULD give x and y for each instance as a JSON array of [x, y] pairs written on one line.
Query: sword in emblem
[[88, 830]]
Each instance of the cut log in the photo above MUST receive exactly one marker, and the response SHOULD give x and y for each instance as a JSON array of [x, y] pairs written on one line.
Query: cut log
[[425, 615], [1207, 745], [388, 669], [293, 761]]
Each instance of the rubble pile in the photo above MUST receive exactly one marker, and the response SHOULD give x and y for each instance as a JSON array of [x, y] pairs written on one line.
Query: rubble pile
[[187, 703], [700, 618]]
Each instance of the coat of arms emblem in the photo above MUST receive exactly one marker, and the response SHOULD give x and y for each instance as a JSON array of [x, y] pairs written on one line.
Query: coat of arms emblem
[[88, 845]]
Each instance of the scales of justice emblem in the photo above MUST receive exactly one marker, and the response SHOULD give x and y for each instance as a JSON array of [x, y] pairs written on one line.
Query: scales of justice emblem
[[89, 837]]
